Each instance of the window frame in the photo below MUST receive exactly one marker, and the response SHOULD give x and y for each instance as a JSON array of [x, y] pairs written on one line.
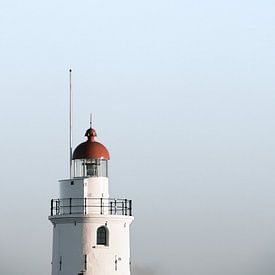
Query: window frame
[[99, 238]]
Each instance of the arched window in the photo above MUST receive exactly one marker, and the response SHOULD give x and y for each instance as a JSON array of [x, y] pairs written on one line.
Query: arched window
[[102, 236]]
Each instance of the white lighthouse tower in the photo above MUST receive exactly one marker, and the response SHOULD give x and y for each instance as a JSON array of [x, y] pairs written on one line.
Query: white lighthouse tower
[[90, 229]]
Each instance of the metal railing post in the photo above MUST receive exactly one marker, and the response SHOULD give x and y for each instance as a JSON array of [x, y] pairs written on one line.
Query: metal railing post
[[111, 207], [51, 207], [85, 205], [130, 207], [126, 206], [56, 207], [101, 206]]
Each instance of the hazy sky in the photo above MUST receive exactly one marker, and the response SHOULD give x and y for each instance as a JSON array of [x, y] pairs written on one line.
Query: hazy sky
[[183, 96]]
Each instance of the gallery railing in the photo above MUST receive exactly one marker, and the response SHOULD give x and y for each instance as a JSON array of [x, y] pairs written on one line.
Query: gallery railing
[[85, 206]]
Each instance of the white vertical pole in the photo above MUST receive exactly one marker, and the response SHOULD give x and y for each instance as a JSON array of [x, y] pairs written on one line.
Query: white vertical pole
[[71, 126]]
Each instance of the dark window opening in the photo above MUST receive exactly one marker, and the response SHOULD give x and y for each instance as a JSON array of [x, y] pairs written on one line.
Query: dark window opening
[[85, 262], [102, 236]]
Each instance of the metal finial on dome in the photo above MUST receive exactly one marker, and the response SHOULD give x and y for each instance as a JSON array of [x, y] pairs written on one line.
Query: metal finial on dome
[[91, 134]]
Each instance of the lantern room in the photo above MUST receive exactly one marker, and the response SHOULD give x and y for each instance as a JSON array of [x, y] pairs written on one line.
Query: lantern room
[[90, 158]]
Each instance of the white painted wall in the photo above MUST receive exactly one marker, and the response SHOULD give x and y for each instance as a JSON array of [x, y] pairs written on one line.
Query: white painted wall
[[93, 187], [75, 237]]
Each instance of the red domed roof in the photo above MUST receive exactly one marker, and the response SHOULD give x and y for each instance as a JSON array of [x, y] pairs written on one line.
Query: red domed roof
[[91, 149]]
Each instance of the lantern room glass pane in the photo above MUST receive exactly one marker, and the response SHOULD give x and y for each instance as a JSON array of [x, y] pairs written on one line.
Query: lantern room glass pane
[[90, 168]]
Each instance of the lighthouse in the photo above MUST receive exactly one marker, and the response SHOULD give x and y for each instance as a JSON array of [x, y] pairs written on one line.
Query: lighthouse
[[90, 229]]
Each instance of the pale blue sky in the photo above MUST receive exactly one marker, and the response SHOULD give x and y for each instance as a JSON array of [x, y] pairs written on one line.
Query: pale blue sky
[[183, 96]]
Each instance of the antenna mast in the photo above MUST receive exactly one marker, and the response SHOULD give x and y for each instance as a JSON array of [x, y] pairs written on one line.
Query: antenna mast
[[71, 124], [91, 120]]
